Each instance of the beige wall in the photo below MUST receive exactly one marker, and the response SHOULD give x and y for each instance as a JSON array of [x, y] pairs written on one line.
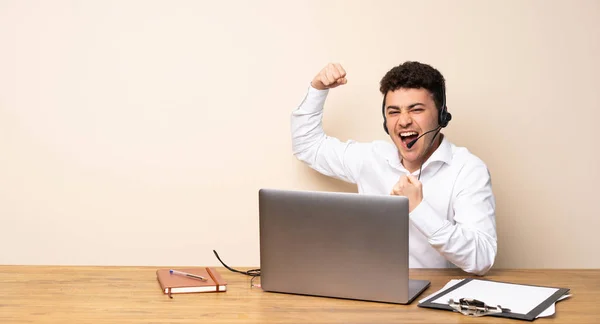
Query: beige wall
[[138, 132]]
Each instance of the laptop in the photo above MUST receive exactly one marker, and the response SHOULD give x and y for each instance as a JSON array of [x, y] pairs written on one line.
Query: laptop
[[332, 244]]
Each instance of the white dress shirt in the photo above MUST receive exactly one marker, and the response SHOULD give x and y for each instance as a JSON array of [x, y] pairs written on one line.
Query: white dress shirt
[[455, 221]]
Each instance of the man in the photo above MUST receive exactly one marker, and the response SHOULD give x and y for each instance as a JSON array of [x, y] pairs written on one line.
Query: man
[[451, 203]]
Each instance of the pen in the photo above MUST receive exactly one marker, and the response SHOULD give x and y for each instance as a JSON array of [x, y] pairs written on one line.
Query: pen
[[190, 275]]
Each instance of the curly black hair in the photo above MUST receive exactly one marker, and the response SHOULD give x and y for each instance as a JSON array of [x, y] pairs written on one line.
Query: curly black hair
[[415, 75]]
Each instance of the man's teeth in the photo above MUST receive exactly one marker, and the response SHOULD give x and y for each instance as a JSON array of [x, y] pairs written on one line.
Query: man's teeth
[[408, 134]]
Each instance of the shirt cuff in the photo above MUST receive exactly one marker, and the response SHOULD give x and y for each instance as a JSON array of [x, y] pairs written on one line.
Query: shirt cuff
[[314, 100], [426, 221]]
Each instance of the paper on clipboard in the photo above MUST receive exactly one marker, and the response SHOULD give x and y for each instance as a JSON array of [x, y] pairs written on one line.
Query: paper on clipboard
[[527, 303]]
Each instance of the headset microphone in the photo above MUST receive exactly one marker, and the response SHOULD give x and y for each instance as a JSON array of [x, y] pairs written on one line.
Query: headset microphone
[[411, 143]]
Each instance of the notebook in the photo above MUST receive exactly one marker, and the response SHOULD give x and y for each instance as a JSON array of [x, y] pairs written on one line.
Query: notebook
[[176, 284]]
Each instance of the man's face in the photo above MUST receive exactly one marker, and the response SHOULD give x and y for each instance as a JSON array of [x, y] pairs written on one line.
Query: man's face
[[410, 113]]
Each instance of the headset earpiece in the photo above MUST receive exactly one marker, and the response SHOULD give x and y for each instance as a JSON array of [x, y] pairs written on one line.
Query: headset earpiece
[[444, 117]]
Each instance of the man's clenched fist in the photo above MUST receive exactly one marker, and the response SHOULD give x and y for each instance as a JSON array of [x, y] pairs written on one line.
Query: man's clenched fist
[[410, 187], [330, 77]]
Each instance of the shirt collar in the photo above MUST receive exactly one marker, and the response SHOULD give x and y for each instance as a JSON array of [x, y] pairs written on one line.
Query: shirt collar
[[442, 154]]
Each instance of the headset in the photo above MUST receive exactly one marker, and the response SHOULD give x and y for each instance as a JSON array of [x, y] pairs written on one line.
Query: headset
[[444, 116]]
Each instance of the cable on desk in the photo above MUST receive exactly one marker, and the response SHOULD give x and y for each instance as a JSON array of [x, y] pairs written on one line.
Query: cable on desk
[[252, 272]]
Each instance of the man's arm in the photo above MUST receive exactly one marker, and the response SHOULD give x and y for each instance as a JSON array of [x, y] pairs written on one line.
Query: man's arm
[[471, 242], [310, 144]]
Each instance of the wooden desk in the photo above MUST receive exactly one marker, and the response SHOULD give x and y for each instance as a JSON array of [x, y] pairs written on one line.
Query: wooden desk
[[52, 294]]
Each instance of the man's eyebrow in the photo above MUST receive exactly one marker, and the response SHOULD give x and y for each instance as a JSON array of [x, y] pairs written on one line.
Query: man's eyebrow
[[409, 107], [416, 104]]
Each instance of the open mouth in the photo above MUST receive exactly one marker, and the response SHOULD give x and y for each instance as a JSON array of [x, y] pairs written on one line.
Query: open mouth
[[408, 137]]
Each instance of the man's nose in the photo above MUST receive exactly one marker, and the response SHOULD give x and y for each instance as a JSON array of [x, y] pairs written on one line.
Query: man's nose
[[404, 119]]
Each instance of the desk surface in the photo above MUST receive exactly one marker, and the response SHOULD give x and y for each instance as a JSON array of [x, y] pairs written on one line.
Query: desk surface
[[54, 294]]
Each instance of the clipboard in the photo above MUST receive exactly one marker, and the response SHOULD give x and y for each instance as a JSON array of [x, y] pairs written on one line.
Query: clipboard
[[525, 302]]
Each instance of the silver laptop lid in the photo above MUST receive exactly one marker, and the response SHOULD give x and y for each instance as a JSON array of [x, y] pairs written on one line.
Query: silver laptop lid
[[332, 244]]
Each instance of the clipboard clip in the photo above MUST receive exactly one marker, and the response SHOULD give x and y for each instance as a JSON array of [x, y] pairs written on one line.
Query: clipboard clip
[[475, 308]]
